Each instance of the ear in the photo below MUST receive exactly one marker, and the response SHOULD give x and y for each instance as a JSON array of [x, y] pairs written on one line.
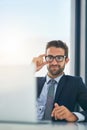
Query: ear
[[67, 60]]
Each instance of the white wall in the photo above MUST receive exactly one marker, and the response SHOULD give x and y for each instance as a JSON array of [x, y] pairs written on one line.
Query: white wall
[[27, 25]]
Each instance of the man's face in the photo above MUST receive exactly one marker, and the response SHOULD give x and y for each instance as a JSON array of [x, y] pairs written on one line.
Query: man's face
[[55, 67]]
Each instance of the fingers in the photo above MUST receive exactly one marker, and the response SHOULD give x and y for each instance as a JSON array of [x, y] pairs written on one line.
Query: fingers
[[59, 112], [56, 106], [39, 61], [62, 112], [42, 55], [40, 58]]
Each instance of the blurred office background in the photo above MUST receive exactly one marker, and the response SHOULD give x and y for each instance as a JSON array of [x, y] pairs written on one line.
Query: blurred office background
[[27, 25], [79, 38]]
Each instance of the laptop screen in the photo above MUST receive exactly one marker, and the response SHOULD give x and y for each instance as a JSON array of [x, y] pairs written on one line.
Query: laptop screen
[[17, 93]]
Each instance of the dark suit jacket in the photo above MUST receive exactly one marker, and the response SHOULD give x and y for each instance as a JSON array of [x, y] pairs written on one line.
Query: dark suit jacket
[[70, 91]]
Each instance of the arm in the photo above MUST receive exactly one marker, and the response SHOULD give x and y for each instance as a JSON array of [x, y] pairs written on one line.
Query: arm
[[82, 99], [61, 112], [81, 92]]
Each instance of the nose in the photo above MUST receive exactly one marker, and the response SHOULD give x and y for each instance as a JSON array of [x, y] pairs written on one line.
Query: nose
[[54, 61]]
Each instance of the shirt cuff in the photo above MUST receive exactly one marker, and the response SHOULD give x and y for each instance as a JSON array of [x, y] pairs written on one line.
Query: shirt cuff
[[80, 116]]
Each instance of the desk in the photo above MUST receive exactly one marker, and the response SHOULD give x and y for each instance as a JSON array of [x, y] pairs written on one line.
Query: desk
[[53, 126]]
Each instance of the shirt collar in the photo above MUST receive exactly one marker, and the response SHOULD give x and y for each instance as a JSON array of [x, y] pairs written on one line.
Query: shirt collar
[[56, 79]]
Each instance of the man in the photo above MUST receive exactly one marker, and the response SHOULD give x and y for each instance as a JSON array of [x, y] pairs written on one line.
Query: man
[[69, 90]]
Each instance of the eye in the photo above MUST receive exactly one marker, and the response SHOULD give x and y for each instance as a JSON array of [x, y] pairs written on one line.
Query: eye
[[49, 58], [59, 58]]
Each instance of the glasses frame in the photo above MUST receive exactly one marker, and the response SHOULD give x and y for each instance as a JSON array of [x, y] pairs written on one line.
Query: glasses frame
[[51, 58]]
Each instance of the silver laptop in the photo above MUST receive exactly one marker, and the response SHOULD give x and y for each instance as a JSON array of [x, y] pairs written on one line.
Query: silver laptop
[[17, 94]]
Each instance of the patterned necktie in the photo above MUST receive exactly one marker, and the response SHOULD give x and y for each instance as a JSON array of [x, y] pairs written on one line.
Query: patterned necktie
[[50, 100]]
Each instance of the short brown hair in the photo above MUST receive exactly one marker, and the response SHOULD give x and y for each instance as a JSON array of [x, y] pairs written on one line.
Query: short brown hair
[[58, 44]]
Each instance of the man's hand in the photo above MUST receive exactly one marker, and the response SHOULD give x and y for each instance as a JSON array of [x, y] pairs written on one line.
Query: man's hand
[[39, 61], [61, 112]]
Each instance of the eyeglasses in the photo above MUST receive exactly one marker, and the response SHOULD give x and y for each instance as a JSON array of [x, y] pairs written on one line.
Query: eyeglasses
[[58, 58]]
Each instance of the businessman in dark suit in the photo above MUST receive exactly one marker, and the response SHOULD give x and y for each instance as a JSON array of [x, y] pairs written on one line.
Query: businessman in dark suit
[[69, 90]]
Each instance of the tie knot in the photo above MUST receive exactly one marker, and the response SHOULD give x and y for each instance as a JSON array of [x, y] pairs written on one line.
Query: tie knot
[[52, 81]]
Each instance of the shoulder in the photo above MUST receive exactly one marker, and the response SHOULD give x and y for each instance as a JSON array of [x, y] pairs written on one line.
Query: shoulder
[[74, 82], [73, 79], [40, 80]]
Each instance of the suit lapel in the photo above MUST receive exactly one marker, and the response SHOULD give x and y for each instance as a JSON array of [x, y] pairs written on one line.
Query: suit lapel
[[40, 84], [61, 84], [60, 87]]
